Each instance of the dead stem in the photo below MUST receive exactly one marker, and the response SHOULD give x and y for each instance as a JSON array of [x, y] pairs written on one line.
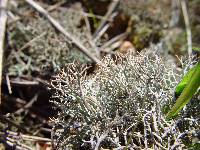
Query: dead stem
[[3, 20]]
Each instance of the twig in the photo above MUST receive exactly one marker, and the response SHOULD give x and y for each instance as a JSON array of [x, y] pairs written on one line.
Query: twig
[[57, 25], [101, 32], [111, 8], [3, 20], [24, 83], [36, 111], [28, 137], [47, 130], [28, 105], [112, 47], [187, 25], [19, 146], [8, 84], [121, 36], [31, 41], [93, 15], [46, 84], [89, 35], [55, 6], [104, 28], [14, 18], [15, 100]]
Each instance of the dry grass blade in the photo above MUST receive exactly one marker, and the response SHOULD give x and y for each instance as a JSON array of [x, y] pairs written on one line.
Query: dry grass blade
[[3, 19], [187, 26]]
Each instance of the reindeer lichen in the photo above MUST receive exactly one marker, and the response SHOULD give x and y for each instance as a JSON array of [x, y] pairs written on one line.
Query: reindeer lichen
[[120, 106]]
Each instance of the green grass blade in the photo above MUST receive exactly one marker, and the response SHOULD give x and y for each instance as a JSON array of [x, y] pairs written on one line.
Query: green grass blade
[[184, 81], [187, 93]]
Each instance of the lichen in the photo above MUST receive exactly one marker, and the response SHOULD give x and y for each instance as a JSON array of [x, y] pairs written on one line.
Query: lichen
[[120, 106], [37, 47]]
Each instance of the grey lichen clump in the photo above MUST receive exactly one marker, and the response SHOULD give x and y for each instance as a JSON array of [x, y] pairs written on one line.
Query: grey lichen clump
[[38, 47], [121, 106]]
